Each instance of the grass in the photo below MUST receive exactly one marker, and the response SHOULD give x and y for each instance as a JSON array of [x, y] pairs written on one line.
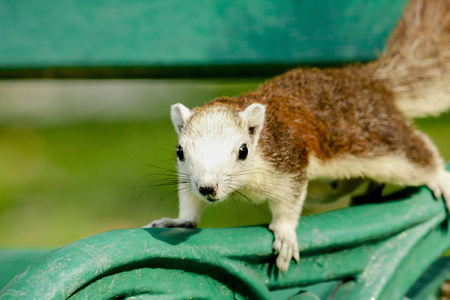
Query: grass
[[64, 182]]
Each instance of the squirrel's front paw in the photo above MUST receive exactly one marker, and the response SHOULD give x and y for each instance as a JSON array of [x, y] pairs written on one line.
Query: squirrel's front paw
[[441, 187], [285, 245], [171, 223]]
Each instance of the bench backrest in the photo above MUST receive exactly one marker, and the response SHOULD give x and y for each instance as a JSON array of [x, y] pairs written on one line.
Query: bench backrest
[[170, 38]]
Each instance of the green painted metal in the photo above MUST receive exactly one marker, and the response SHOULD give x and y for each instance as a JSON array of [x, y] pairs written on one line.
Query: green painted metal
[[14, 261], [372, 251], [172, 33], [429, 285]]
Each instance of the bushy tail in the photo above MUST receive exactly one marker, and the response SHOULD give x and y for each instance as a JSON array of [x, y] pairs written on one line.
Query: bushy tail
[[416, 63]]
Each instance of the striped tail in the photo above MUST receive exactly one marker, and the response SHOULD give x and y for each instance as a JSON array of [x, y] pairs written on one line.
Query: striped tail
[[416, 62]]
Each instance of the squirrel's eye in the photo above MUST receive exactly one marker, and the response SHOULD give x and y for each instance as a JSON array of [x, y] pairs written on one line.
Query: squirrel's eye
[[180, 153], [243, 152]]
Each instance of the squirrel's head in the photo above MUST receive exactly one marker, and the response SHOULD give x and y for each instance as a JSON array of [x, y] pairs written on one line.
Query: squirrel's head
[[217, 148]]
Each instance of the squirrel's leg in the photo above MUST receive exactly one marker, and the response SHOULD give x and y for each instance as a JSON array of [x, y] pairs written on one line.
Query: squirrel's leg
[[419, 163], [433, 173], [286, 206], [191, 209]]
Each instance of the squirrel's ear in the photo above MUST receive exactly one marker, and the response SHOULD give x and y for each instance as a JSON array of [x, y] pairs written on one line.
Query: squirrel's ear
[[254, 116], [179, 114]]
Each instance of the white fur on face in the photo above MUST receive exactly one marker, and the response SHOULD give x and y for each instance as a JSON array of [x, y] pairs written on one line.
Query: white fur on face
[[211, 139]]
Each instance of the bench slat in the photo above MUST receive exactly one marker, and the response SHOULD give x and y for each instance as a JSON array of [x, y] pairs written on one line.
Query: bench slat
[[379, 251], [163, 34]]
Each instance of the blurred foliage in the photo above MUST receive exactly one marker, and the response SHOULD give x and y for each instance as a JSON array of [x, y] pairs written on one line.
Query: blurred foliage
[[68, 180]]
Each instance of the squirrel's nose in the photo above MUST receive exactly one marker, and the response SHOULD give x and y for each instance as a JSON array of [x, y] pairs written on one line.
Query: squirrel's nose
[[207, 190]]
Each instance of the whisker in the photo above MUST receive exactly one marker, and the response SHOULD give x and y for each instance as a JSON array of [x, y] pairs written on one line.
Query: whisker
[[284, 201], [237, 209], [265, 193], [227, 170], [170, 171], [276, 197], [260, 209]]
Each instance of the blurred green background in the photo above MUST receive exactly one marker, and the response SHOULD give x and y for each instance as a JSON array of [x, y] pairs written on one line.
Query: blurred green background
[[79, 157]]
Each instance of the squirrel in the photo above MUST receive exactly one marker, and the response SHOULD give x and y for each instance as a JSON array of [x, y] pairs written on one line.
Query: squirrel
[[320, 124]]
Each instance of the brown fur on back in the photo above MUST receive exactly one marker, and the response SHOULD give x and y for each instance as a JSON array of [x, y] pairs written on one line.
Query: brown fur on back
[[329, 113], [355, 110]]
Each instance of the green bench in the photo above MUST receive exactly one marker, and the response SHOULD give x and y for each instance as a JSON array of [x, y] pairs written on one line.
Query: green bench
[[168, 38], [370, 251]]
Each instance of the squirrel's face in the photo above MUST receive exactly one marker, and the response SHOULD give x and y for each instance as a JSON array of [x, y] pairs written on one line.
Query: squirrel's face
[[217, 148]]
